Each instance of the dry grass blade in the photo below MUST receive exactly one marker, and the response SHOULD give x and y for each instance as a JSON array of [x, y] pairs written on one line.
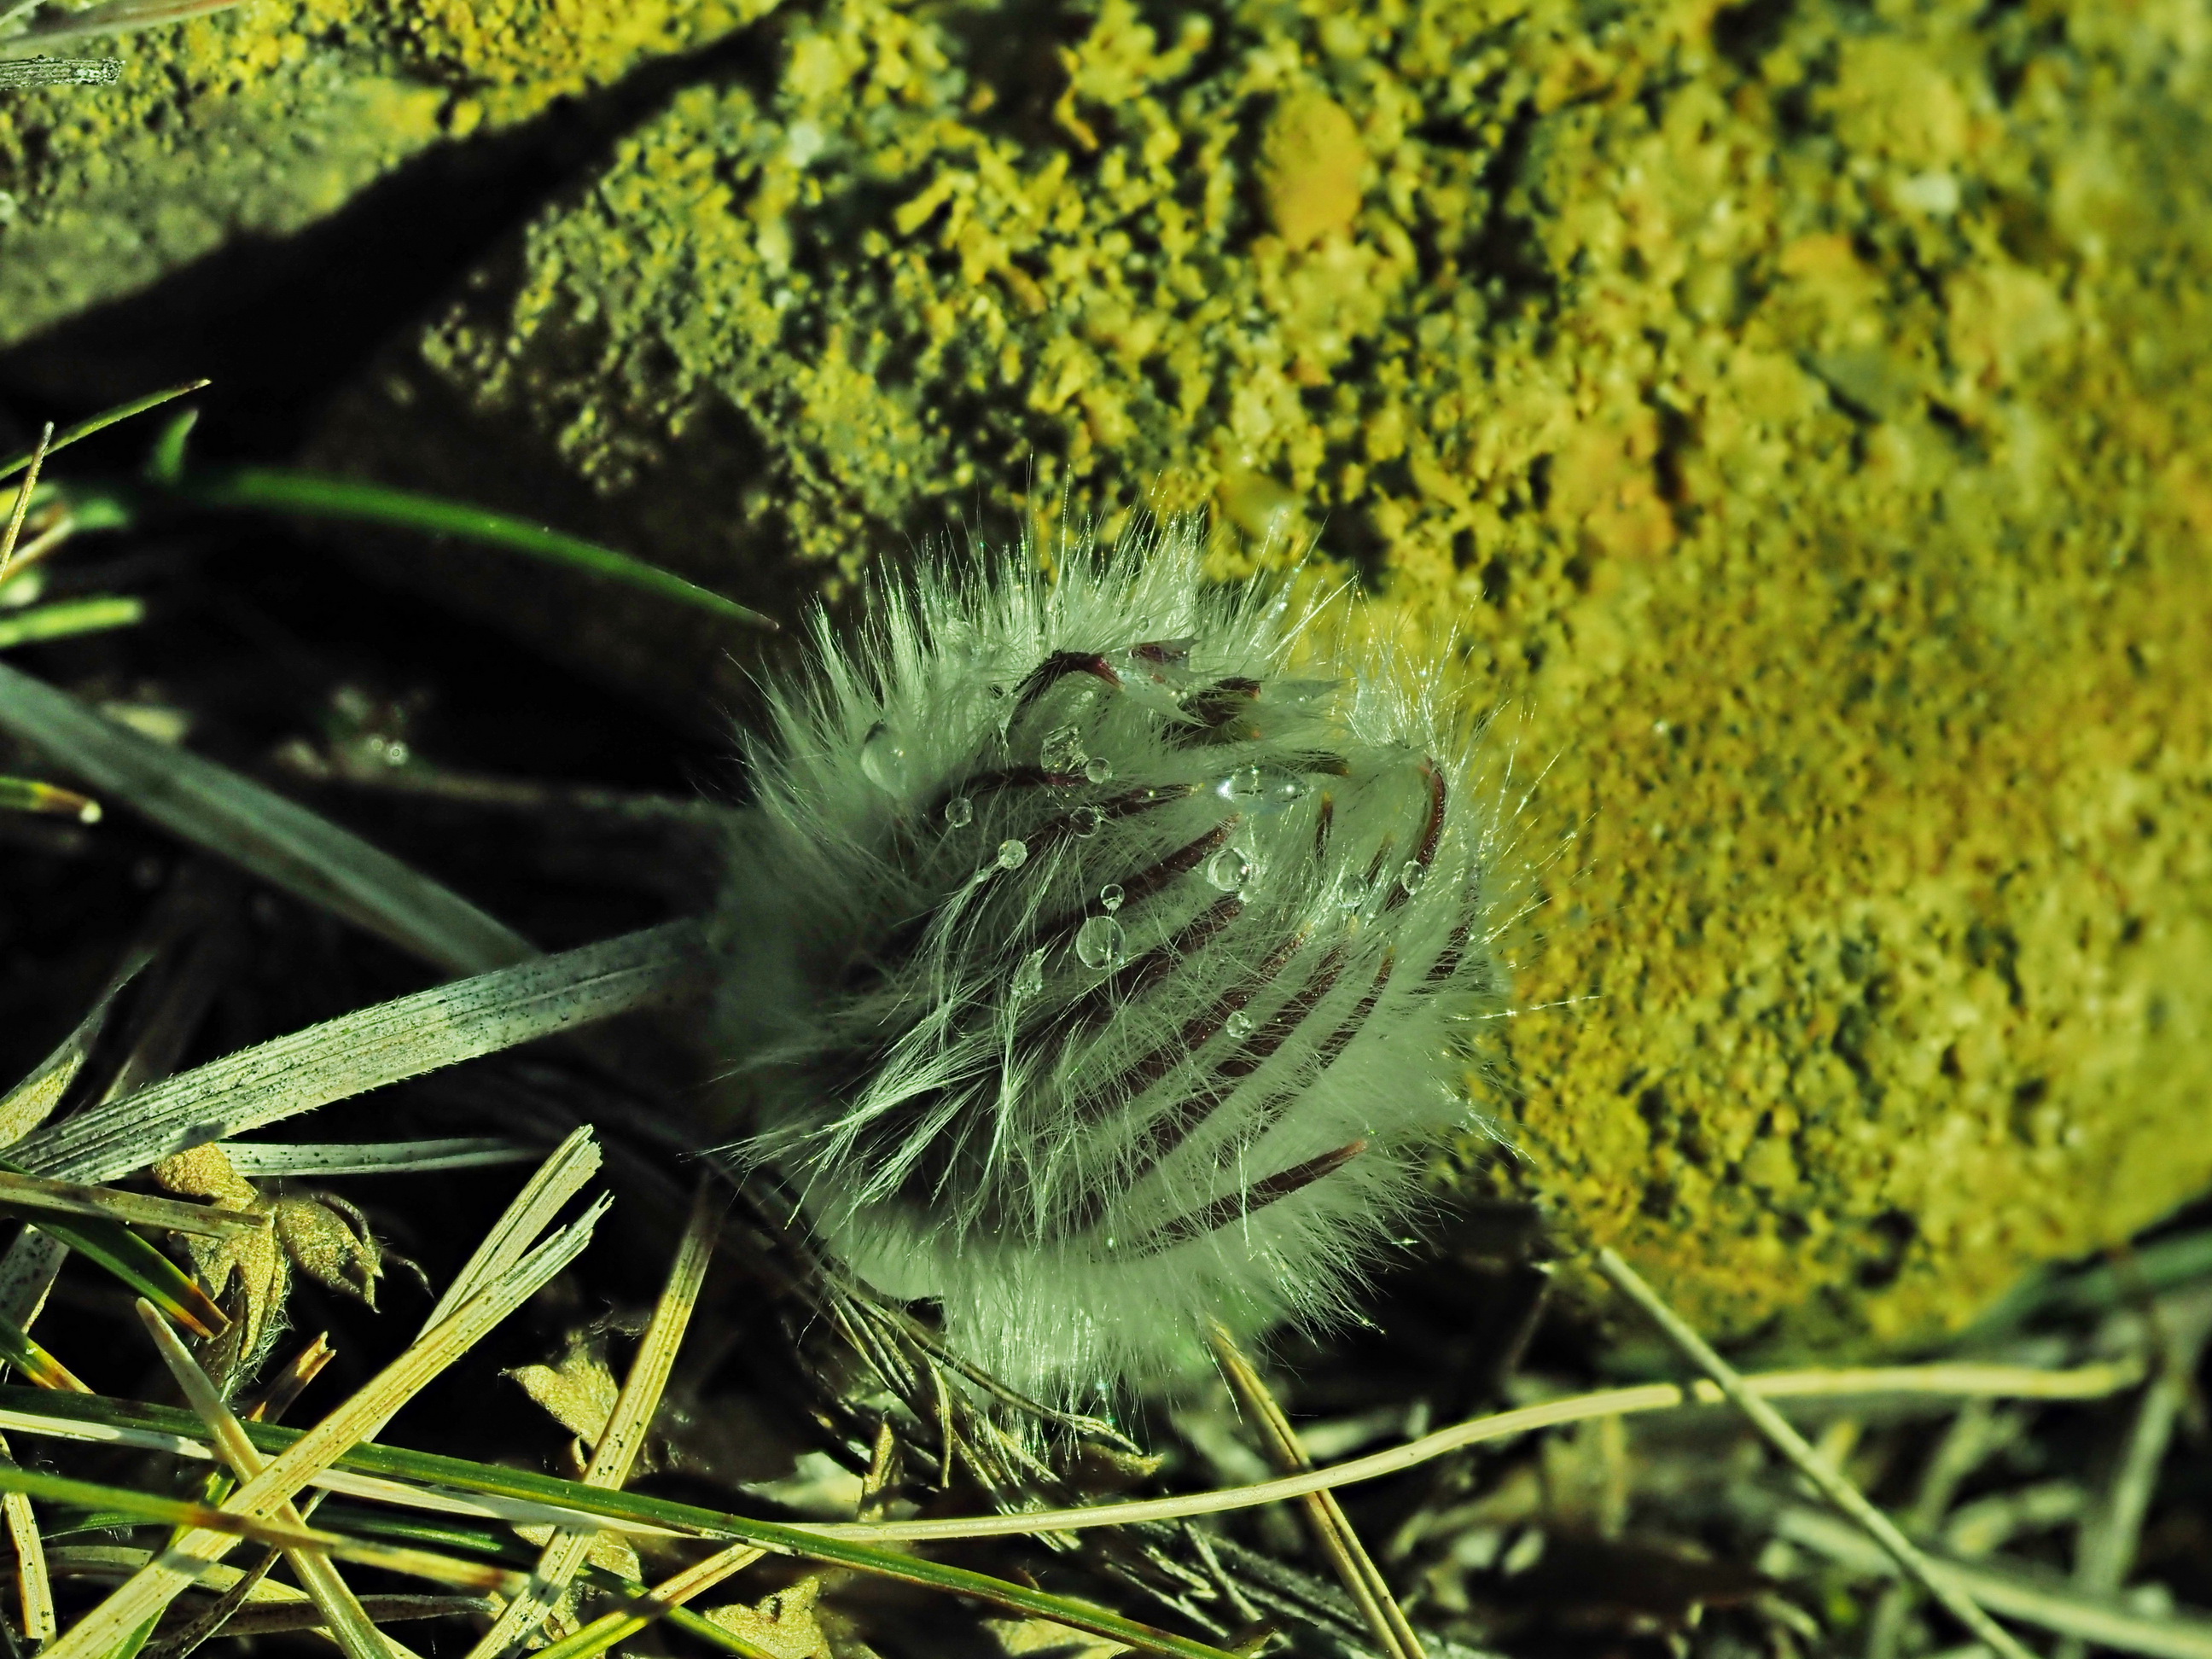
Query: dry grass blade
[[1828, 1479], [1325, 1518], [36, 1194], [558, 1178], [2016, 1381], [609, 1628], [344, 1057], [34, 1592], [341, 1608], [2054, 1606], [623, 1438], [269, 1158], [22, 506], [276, 840], [358, 1418]]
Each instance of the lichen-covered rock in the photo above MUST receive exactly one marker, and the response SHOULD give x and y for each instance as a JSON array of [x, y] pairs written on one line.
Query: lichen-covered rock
[[1795, 413], [261, 119]]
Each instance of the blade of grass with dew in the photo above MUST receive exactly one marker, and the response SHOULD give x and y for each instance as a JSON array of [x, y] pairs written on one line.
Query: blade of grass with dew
[[29, 795], [269, 1158], [92, 614], [360, 1416], [31, 1199], [342, 1610], [624, 1436], [100, 422], [321, 497], [356, 1053], [105, 1420], [237, 819], [132, 1260]]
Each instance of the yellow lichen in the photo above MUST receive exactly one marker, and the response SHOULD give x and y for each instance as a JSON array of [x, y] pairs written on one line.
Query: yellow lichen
[[258, 120]]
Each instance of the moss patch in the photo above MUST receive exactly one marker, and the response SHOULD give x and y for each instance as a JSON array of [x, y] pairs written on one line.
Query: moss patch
[[259, 120], [1797, 409]]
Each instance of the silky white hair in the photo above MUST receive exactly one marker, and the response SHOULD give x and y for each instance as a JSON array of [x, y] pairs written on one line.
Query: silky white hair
[[1101, 954]]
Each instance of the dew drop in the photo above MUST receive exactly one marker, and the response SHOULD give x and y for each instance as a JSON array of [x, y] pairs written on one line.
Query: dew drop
[[1083, 821], [1101, 943], [959, 812], [1029, 978], [1012, 853], [883, 758], [1111, 896], [1062, 750], [1099, 769], [1411, 874], [1228, 870], [1263, 790], [1240, 1025]]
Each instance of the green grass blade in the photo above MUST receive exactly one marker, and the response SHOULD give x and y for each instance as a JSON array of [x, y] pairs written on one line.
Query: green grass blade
[[322, 497], [29, 795], [388, 1043], [100, 422], [132, 1260], [257, 829], [95, 613], [17, 1348], [462, 1475]]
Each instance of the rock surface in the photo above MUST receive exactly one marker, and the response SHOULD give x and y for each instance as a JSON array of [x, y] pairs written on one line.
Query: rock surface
[[1793, 411], [259, 120]]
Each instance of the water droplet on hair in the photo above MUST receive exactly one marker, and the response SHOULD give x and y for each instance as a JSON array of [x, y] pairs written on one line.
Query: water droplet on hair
[[1062, 750], [884, 759], [1240, 1025], [1412, 875], [1029, 978], [1111, 896], [1259, 789], [1101, 943], [1083, 821], [959, 812], [1228, 870], [1013, 854], [1099, 769]]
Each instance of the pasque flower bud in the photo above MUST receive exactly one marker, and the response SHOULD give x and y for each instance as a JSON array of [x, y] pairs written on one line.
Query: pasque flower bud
[[1095, 965]]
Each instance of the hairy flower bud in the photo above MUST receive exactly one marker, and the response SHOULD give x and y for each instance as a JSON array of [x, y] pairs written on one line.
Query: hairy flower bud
[[1094, 969]]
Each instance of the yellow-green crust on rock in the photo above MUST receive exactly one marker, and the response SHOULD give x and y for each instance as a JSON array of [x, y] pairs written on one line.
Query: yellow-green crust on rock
[[1795, 414], [261, 119]]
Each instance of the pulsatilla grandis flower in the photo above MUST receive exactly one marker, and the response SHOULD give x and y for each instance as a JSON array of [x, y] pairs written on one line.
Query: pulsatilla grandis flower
[[1101, 956]]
